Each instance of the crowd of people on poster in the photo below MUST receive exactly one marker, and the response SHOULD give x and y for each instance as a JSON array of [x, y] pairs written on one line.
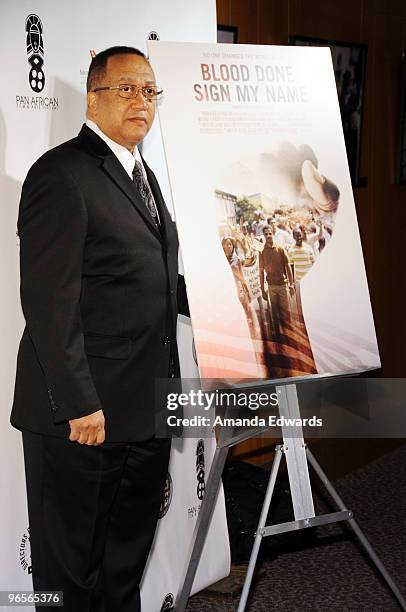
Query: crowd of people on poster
[[270, 252]]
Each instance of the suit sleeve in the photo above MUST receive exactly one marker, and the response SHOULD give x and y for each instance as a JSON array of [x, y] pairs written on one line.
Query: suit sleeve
[[52, 227], [183, 304]]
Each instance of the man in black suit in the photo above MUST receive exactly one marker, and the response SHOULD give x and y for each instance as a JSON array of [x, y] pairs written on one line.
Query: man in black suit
[[99, 291]]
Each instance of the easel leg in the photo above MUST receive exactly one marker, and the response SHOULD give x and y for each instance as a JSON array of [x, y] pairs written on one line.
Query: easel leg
[[295, 453], [261, 525], [202, 526], [356, 529]]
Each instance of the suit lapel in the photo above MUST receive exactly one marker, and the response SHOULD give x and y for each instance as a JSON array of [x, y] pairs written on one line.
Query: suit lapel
[[116, 172], [110, 164]]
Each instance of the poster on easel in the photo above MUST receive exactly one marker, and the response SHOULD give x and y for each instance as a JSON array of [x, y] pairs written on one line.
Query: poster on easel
[[265, 211]]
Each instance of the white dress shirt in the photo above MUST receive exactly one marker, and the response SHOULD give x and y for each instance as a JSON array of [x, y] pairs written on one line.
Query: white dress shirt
[[124, 156]]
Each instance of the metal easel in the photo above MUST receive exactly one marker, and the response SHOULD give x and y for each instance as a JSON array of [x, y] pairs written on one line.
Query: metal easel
[[297, 458]]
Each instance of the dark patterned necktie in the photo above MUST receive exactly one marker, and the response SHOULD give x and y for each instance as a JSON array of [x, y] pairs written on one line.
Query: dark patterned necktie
[[145, 191]]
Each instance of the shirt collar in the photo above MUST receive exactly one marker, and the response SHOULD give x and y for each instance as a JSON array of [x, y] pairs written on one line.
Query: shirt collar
[[124, 156]]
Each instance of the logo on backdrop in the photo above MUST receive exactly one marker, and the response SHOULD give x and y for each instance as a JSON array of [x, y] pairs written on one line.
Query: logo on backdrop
[[166, 498], [36, 76], [168, 602], [25, 552], [83, 72], [153, 36], [35, 52], [200, 469]]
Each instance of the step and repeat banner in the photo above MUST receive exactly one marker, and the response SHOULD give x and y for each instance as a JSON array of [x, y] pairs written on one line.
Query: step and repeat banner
[[46, 49], [277, 285]]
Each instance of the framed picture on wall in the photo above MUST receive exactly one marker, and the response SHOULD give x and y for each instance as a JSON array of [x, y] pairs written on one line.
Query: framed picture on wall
[[401, 157], [349, 61], [227, 34]]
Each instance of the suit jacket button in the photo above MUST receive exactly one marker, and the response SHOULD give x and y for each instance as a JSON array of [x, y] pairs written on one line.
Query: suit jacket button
[[166, 340]]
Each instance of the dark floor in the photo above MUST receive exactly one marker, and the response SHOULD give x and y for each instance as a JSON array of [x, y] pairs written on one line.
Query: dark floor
[[333, 574]]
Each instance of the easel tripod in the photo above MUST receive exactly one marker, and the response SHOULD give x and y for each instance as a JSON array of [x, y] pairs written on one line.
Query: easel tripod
[[297, 458]]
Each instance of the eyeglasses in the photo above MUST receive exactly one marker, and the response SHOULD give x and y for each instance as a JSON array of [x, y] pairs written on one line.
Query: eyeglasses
[[128, 91]]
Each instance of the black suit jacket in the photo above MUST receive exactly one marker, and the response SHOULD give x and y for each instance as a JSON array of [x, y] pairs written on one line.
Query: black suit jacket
[[99, 286]]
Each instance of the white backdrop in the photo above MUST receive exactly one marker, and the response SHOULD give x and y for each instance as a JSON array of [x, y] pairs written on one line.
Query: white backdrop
[[30, 123]]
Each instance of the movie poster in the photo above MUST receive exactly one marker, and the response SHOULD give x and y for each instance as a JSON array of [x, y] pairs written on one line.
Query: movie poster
[[265, 211]]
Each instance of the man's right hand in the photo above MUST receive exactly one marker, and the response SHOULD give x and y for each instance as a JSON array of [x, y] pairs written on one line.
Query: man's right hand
[[88, 429]]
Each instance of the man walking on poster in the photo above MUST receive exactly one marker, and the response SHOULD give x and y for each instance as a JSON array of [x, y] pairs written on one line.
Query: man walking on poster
[[99, 288], [301, 256], [275, 269]]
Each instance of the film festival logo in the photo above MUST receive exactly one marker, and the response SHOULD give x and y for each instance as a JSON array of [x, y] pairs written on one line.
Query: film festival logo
[[200, 469], [25, 552], [36, 75], [153, 36], [168, 602], [167, 497], [35, 52]]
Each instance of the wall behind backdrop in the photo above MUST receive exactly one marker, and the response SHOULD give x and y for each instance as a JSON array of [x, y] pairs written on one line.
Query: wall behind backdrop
[[381, 205]]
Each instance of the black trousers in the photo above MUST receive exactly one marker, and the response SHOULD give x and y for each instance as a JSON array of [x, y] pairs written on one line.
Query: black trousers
[[93, 512]]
